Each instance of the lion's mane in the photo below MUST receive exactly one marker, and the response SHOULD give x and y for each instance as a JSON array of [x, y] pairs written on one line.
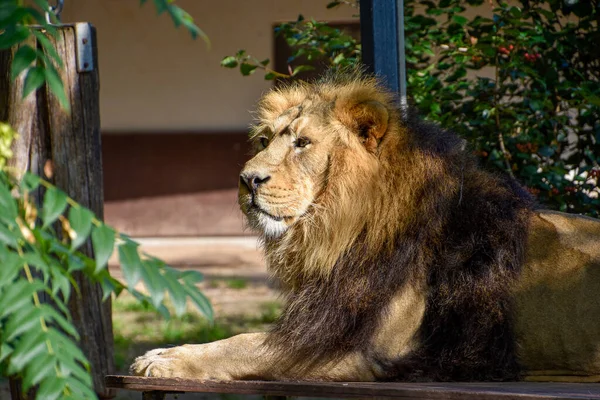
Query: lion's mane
[[426, 213]]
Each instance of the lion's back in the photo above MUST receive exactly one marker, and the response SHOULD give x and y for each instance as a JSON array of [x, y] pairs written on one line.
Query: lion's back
[[557, 299]]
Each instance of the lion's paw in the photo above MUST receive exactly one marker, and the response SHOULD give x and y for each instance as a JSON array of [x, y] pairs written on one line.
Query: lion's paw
[[188, 362], [157, 363]]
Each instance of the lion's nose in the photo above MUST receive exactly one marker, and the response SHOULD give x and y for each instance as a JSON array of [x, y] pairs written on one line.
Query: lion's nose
[[253, 180]]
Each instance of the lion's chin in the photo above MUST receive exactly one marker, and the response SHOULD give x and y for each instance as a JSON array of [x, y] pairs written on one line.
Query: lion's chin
[[269, 226]]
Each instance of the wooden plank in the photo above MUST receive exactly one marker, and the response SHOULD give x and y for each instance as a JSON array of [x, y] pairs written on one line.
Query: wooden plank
[[399, 390], [70, 142]]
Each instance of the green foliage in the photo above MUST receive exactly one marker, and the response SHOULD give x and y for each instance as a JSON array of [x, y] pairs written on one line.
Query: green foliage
[[249, 64], [179, 16], [312, 42], [22, 25], [38, 65], [523, 87], [38, 256]]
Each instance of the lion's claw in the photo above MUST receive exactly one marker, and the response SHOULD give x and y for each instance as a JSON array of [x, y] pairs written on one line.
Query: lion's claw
[[156, 363]]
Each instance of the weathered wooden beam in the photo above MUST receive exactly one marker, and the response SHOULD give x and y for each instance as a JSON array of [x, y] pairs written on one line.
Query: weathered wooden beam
[[396, 390], [69, 145], [382, 38]]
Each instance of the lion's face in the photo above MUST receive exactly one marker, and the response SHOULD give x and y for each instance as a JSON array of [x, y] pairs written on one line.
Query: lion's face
[[288, 171], [309, 141]]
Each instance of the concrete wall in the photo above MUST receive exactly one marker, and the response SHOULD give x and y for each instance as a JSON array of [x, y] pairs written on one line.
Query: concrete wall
[[155, 78]]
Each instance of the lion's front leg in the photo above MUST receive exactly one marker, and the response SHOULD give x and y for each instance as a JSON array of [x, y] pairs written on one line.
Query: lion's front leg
[[227, 359], [241, 357]]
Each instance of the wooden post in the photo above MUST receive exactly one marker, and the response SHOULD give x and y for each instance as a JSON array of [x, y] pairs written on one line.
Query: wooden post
[[69, 145], [382, 38]]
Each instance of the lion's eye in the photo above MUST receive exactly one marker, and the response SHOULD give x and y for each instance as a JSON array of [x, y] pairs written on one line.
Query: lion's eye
[[302, 142], [264, 142]]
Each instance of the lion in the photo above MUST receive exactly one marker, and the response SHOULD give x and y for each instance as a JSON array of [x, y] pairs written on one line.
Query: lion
[[398, 257]]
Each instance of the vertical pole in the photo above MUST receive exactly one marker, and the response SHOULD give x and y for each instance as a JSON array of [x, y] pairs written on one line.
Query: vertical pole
[[382, 37], [401, 54], [70, 144]]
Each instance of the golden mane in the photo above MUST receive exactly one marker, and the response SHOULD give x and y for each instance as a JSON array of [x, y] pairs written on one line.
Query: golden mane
[[376, 194]]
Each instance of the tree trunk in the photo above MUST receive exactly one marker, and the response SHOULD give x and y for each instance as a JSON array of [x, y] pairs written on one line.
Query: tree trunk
[[66, 148]]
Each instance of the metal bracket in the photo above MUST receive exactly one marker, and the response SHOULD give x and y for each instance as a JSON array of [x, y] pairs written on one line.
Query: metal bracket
[[84, 47]]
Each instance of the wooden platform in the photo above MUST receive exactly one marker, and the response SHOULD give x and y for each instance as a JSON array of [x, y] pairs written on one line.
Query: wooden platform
[[451, 391]]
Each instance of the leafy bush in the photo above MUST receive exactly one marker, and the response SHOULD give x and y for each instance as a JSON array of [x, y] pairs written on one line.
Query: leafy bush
[[523, 87]]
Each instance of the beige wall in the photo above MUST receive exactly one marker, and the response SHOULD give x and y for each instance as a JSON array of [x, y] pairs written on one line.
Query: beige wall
[[155, 78]]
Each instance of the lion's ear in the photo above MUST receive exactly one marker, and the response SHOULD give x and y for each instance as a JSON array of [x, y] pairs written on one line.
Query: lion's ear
[[369, 120]]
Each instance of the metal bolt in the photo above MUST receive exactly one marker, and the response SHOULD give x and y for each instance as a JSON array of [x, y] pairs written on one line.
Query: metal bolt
[[85, 65], [84, 41]]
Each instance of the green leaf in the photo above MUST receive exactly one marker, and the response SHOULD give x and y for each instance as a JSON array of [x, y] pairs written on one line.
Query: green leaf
[[30, 182], [546, 151], [161, 6], [36, 260], [55, 202], [80, 390], [247, 69], [338, 59], [192, 277], [56, 86], [536, 105], [69, 365], [34, 79], [11, 264], [18, 296], [80, 219], [37, 369], [199, 300], [52, 315], [43, 4], [8, 204], [176, 291], [459, 19], [153, 281], [109, 285], [270, 76], [593, 99], [229, 62], [103, 240], [302, 68], [66, 348], [265, 62], [5, 351], [60, 282], [131, 264], [13, 35], [48, 47], [51, 388], [31, 345], [181, 17], [9, 237], [21, 322], [22, 60]]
